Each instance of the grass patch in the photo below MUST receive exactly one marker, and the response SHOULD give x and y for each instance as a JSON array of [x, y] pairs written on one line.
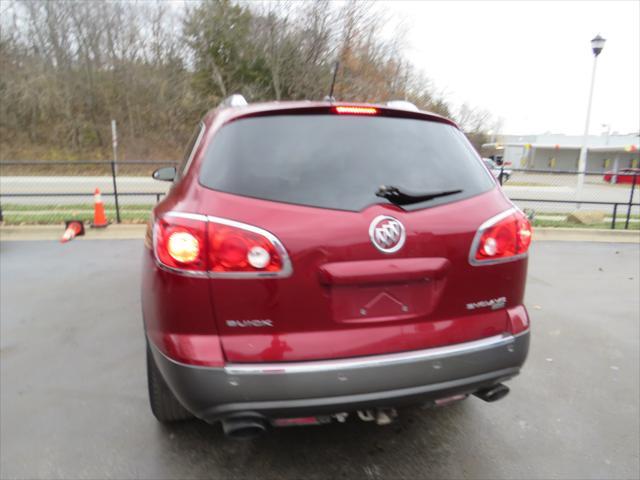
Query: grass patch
[[20, 207], [565, 224], [54, 218], [19, 214], [622, 213]]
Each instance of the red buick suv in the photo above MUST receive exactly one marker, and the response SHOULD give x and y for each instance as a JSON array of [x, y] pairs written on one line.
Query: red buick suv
[[315, 260]]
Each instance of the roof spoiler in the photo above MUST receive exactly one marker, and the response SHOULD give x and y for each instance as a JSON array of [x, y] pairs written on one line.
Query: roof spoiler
[[235, 100], [402, 105]]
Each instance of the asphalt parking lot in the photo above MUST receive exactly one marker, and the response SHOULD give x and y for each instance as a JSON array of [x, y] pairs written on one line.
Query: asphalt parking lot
[[74, 401]]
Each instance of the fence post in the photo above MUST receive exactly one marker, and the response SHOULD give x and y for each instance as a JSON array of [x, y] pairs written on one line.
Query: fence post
[[613, 220], [633, 188], [114, 142], [115, 190]]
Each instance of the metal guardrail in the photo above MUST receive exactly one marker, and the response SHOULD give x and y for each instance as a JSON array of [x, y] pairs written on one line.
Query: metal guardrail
[[542, 180]]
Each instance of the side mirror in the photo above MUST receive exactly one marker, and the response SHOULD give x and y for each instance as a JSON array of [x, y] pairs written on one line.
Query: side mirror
[[166, 174]]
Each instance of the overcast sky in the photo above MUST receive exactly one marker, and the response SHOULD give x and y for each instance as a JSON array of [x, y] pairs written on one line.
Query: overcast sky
[[530, 62]]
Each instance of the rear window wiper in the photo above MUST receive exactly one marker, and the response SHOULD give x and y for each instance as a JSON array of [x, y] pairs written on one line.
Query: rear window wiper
[[398, 197]]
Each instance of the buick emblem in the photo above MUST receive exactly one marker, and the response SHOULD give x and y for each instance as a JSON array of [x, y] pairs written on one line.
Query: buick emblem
[[387, 234]]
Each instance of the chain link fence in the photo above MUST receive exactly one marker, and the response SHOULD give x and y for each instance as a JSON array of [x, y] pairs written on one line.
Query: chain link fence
[[569, 198], [38, 192], [41, 192]]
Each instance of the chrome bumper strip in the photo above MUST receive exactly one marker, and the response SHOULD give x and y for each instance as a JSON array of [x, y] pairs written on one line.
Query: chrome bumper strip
[[372, 361]]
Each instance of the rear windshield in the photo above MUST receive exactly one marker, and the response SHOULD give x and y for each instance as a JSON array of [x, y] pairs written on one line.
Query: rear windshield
[[339, 162]]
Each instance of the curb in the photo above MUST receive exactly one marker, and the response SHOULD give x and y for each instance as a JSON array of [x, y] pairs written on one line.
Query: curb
[[10, 233], [137, 231]]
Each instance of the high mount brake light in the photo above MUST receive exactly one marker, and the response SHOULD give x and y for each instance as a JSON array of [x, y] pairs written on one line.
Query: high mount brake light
[[351, 110], [211, 246], [502, 238]]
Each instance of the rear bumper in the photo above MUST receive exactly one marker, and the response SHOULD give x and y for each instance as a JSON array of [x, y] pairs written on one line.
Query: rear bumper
[[331, 386]]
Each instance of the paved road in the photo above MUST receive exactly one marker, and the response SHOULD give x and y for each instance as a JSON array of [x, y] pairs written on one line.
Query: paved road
[[74, 396]]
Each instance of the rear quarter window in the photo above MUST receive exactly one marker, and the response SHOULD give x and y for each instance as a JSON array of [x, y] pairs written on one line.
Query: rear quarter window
[[340, 161]]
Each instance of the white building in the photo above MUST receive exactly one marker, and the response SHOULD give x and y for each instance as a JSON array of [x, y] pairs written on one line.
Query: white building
[[561, 152]]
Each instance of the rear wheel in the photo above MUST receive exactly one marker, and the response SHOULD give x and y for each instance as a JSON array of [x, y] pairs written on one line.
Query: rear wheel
[[164, 404]]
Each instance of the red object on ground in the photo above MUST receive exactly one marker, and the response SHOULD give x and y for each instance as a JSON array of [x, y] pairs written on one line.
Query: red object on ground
[[73, 229], [99, 217]]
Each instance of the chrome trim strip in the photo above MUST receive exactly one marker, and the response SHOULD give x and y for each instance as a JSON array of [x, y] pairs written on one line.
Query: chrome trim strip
[[373, 361], [189, 216], [196, 145], [287, 268], [476, 240], [523, 333]]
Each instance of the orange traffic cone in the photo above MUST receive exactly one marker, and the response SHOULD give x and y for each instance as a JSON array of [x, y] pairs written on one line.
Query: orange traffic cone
[[73, 229], [99, 217]]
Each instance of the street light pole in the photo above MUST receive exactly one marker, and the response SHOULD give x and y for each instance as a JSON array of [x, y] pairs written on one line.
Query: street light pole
[[597, 44]]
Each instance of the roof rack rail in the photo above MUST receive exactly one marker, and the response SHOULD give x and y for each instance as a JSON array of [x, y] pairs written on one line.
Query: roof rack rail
[[402, 104], [235, 100]]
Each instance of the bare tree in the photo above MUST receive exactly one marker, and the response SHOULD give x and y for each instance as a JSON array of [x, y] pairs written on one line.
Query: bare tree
[[68, 67]]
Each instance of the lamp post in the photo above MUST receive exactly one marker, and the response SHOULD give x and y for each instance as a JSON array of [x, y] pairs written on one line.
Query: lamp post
[[597, 44]]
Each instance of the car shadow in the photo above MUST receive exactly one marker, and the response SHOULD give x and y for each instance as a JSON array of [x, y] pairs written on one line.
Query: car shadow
[[420, 441]]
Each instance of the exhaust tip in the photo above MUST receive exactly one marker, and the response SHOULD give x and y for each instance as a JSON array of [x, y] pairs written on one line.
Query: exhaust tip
[[493, 394], [244, 427]]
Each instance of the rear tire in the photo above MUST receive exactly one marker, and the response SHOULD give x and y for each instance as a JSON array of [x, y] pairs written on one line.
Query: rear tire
[[164, 405]]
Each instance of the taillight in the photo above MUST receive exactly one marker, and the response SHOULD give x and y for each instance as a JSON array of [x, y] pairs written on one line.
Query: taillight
[[214, 246], [354, 110], [180, 243], [505, 237], [236, 249], [183, 247]]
